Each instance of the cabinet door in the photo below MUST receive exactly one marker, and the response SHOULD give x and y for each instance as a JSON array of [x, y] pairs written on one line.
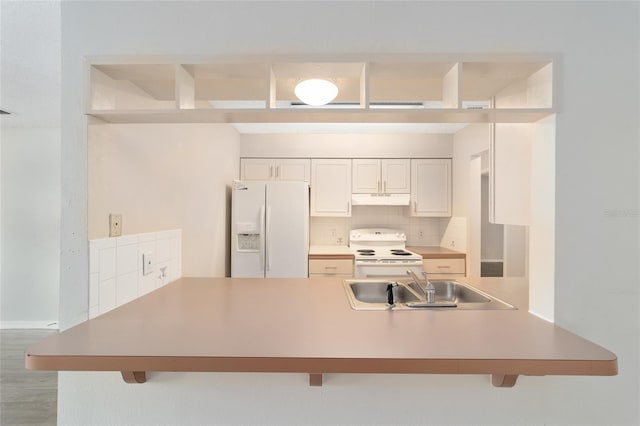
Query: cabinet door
[[256, 169], [431, 187], [396, 176], [295, 169], [366, 176], [330, 187], [510, 174]]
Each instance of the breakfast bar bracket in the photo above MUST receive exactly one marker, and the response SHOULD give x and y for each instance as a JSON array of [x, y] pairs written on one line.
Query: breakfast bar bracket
[[315, 379], [504, 380], [134, 376]]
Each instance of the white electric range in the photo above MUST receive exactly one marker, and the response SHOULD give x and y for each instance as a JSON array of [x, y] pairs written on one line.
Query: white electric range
[[381, 252]]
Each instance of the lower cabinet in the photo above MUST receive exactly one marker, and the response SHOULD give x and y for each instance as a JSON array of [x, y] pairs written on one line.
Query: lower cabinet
[[328, 267], [444, 268]]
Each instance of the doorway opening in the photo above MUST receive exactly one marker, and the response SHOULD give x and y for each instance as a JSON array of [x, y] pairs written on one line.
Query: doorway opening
[[491, 235]]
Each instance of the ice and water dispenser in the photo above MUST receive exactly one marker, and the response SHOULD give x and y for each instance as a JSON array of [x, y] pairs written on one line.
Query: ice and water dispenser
[[248, 236]]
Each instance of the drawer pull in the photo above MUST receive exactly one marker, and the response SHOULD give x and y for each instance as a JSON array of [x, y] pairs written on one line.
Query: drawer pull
[[444, 266], [330, 267]]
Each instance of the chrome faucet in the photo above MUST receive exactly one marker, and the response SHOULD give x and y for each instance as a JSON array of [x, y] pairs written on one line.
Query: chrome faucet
[[428, 289]]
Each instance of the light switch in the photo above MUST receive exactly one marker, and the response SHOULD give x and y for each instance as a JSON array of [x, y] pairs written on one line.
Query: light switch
[[147, 263]]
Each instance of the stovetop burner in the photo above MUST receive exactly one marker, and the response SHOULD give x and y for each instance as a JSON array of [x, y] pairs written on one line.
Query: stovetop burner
[[400, 253], [366, 251]]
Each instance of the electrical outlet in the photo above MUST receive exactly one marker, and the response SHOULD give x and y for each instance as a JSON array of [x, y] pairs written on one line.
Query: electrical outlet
[[420, 233], [147, 263], [115, 225], [453, 243]]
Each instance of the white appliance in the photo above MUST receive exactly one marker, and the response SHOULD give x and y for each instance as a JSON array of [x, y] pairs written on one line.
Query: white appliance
[[270, 229], [381, 252]]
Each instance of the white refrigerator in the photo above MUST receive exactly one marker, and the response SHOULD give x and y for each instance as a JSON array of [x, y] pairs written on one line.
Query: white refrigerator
[[269, 229]]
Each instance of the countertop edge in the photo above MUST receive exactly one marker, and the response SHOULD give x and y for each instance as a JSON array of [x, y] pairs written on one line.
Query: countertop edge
[[535, 367]]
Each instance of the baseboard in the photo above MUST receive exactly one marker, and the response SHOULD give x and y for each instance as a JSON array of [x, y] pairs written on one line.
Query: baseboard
[[19, 325]]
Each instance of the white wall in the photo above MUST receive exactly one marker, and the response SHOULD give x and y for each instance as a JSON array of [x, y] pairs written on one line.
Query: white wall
[[163, 177], [597, 151], [30, 183], [347, 145], [492, 235], [30, 227], [467, 143], [542, 231]]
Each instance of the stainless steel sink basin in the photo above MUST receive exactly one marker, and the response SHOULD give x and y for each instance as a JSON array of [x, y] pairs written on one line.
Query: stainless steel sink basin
[[376, 292], [371, 295]]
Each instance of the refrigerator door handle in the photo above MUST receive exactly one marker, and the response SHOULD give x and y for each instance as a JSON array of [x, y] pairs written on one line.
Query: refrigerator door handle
[[268, 238], [262, 239]]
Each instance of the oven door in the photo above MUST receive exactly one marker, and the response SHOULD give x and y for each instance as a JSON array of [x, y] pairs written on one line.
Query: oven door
[[386, 270]]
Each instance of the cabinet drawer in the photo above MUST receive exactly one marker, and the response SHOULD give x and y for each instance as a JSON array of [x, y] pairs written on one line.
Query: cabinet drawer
[[344, 276], [331, 266], [444, 266]]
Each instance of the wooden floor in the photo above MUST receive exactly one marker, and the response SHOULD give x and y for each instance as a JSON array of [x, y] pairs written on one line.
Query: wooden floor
[[26, 397]]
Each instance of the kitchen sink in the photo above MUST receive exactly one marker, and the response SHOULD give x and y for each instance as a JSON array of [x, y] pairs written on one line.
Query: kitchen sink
[[376, 292], [371, 295]]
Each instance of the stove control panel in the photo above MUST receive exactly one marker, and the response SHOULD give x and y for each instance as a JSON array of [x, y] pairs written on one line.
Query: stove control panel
[[377, 234]]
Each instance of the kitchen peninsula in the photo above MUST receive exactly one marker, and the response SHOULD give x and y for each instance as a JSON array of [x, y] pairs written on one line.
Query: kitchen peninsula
[[307, 326]]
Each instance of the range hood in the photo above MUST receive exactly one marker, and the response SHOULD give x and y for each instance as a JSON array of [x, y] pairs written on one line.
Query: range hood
[[380, 199]]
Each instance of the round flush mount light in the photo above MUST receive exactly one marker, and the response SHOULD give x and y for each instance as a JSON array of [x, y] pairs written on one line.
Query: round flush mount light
[[316, 91]]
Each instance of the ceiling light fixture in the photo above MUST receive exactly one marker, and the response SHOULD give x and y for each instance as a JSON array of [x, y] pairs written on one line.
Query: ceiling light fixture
[[316, 91]]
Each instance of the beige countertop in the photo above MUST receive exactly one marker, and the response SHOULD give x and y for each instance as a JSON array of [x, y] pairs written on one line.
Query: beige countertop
[[334, 252], [307, 325], [435, 252]]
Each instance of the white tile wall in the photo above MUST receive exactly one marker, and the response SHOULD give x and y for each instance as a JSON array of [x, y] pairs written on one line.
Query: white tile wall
[[455, 234], [115, 267], [421, 231]]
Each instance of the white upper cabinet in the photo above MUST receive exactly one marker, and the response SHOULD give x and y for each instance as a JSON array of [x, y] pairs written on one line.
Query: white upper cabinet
[[293, 169], [431, 187], [510, 174], [396, 176], [331, 187], [373, 176], [366, 176], [282, 169], [256, 169]]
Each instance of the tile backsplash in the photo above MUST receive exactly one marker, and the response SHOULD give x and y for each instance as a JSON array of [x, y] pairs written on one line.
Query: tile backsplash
[[420, 231], [116, 268]]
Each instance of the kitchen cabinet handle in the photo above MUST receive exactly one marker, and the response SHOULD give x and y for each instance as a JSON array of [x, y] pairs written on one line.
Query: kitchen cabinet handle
[[262, 240], [268, 238], [378, 186], [330, 267], [277, 172], [444, 266], [270, 171], [384, 187]]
